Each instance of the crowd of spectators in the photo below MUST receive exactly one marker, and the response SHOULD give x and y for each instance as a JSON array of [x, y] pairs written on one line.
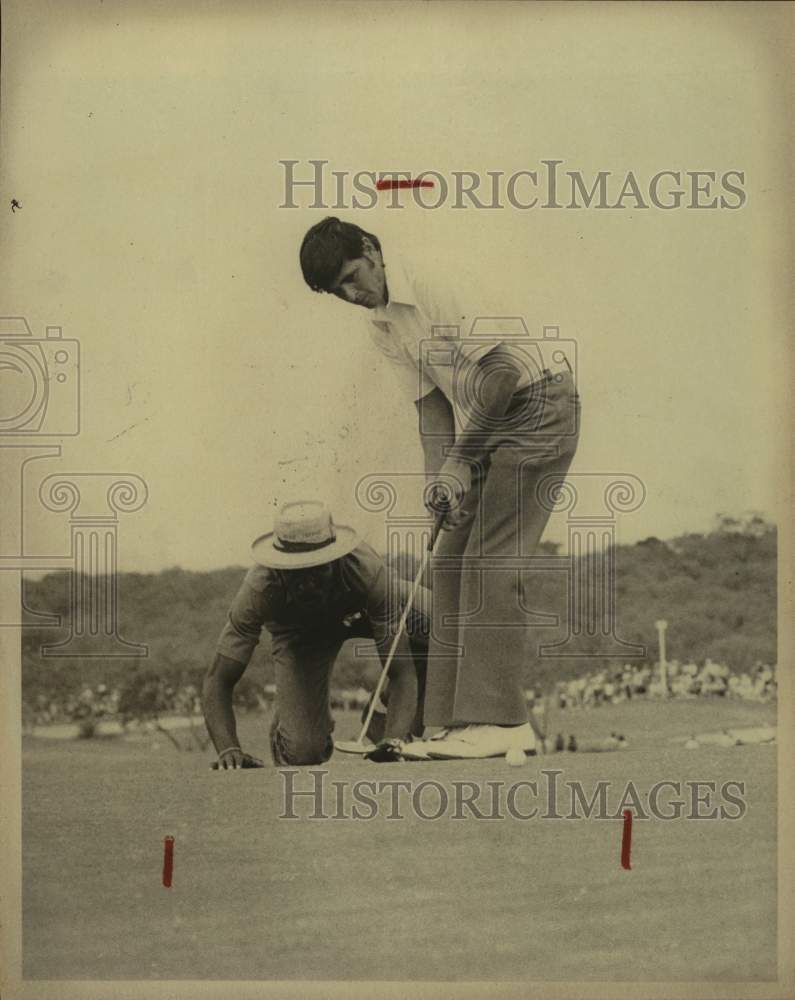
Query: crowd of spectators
[[96, 703], [100, 702], [677, 680], [596, 688]]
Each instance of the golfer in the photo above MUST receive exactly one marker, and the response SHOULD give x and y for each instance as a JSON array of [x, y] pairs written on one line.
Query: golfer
[[315, 585], [495, 418]]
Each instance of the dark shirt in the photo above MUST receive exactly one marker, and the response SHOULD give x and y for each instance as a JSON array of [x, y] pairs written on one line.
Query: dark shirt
[[361, 584]]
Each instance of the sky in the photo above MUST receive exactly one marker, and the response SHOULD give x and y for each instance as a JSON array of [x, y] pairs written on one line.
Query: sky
[[144, 146]]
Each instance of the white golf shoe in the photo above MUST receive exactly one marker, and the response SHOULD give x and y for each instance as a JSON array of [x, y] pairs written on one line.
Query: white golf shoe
[[472, 742], [413, 749]]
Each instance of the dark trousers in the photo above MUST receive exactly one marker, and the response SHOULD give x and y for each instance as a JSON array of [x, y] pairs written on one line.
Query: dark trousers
[[302, 727]]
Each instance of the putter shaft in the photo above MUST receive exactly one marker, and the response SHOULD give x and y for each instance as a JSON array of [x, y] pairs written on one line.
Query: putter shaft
[[437, 524]]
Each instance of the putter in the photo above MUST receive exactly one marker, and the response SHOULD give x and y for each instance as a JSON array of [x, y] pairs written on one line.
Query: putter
[[353, 746], [359, 746]]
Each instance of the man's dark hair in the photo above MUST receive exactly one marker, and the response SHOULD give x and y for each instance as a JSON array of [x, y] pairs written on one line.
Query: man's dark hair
[[327, 246]]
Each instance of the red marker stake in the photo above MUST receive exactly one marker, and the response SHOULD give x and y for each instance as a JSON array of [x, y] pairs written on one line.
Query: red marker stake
[[168, 861], [626, 840]]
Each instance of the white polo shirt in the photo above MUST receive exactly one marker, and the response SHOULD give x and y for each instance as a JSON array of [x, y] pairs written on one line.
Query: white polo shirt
[[433, 340]]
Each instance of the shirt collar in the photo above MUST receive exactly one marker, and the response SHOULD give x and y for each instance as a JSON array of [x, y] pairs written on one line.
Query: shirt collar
[[399, 284]]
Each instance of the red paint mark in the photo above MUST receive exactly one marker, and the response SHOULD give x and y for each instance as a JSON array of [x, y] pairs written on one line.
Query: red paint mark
[[168, 861], [626, 840], [390, 185]]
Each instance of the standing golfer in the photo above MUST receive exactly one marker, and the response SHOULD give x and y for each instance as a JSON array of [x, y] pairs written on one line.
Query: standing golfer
[[314, 586], [495, 418]]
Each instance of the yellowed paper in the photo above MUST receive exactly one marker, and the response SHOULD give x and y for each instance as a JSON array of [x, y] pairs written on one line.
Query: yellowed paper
[[612, 176]]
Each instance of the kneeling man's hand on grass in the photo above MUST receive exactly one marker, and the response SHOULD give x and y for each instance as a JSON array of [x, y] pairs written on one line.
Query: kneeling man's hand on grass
[[234, 758]]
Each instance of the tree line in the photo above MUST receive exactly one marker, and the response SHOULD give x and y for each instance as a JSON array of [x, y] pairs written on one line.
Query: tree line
[[717, 591]]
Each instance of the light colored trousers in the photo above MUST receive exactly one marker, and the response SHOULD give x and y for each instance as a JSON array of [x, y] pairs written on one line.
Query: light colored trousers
[[478, 649]]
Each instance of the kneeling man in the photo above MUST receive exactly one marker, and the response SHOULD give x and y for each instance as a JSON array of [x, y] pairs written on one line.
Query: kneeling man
[[315, 585]]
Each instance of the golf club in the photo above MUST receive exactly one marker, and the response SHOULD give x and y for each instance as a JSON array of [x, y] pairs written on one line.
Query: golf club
[[359, 746]]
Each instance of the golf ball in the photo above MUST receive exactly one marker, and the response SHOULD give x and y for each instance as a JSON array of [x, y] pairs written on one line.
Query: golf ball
[[515, 757]]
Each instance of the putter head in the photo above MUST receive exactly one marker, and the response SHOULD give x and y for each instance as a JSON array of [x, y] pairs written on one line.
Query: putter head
[[353, 746]]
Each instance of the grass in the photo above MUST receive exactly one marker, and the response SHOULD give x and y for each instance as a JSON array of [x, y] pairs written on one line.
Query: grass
[[258, 897]]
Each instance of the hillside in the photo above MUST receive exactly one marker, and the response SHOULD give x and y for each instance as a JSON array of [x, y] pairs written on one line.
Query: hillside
[[717, 591]]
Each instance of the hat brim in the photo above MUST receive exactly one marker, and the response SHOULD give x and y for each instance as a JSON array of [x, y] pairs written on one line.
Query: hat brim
[[266, 554]]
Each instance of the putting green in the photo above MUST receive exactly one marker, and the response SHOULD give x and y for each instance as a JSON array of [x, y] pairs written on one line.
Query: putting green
[[255, 896]]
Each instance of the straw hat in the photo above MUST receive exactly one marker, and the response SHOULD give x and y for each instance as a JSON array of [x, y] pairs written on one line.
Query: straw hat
[[304, 535]]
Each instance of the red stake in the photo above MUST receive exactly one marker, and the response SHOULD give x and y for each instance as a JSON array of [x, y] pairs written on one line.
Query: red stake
[[168, 861], [626, 840]]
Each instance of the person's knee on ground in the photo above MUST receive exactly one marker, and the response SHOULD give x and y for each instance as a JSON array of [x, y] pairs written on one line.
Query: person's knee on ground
[[305, 751], [300, 749]]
